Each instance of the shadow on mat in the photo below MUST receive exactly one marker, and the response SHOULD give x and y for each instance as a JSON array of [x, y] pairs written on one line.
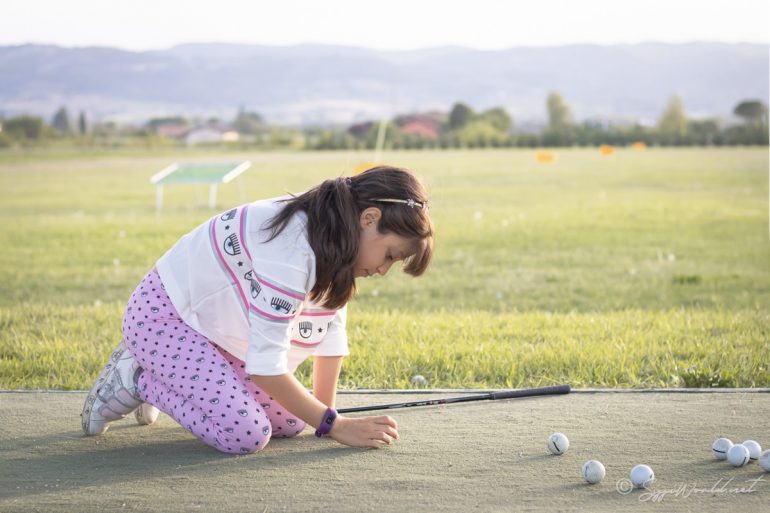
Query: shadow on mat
[[69, 461]]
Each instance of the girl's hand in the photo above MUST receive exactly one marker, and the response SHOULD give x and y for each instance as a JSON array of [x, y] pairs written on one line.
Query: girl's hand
[[365, 431]]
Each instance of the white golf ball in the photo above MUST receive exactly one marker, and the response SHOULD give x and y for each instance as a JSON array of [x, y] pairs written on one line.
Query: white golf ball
[[764, 460], [738, 455], [593, 471], [755, 450], [419, 380], [558, 443], [642, 476], [720, 447]]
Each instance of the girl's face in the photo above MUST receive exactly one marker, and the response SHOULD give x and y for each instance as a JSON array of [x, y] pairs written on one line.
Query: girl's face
[[378, 251]]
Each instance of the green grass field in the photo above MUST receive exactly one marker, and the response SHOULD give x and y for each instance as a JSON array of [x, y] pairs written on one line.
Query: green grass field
[[636, 270]]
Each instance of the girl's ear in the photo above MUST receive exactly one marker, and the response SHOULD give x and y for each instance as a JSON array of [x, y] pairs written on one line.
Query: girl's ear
[[370, 216]]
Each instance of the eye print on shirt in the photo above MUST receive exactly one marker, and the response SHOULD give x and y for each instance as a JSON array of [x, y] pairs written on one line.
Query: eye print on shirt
[[270, 300], [305, 329], [230, 214], [232, 245], [256, 288], [280, 305]]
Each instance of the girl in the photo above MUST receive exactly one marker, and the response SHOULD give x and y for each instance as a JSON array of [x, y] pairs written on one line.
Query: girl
[[214, 332]]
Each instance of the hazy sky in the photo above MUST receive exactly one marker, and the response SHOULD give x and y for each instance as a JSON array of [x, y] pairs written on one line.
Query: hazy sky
[[389, 24]]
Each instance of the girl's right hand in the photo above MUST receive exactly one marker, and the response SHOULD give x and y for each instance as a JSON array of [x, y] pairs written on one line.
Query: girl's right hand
[[365, 431]]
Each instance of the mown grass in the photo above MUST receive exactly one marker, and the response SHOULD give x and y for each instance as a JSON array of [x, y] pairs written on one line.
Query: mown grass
[[643, 269]]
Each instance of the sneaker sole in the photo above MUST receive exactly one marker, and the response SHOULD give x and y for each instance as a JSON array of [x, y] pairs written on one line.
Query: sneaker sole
[[85, 415]]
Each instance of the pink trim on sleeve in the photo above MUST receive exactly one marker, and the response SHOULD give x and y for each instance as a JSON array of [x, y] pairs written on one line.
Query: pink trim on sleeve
[[224, 262], [290, 293]]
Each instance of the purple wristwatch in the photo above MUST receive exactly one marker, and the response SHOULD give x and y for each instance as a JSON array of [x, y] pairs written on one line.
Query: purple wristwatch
[[326, 423]]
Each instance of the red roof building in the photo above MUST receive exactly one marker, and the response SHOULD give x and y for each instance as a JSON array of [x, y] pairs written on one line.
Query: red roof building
[[424, 127]]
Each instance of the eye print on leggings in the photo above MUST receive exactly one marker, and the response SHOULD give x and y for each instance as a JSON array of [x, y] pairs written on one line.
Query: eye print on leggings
[[280, 305], [305, 329]]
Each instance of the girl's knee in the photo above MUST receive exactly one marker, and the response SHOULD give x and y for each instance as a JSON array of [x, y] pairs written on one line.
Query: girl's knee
[[242, 438]]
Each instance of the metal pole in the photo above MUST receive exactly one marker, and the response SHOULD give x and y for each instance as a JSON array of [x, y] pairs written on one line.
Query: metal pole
[[213, 196], [158, 197]]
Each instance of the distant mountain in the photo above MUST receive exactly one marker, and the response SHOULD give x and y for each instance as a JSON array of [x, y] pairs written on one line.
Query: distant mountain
[[311, 84]]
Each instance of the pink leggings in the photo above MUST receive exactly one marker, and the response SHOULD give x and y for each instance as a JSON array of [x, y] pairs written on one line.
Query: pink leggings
[[199, 384]]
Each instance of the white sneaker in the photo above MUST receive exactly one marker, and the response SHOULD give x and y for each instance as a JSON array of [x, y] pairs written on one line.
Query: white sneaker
[[114, 394], [146, 414]]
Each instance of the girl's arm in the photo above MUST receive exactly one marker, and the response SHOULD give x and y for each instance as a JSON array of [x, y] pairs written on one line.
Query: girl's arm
[[356, 432], [290, 393], [326, 372]]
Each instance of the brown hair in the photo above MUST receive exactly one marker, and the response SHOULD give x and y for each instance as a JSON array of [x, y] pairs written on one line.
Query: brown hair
[[333, 210]]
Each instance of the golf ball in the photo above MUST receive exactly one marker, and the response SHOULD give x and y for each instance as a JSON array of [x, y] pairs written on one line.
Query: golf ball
[[764, 460], [593, 471], [419, 380], [642, 476], [738, 455], [558, 443], [720, 447], [755, 450]]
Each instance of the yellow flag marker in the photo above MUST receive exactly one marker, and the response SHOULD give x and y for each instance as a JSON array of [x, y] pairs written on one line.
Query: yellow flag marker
[[363, 166], [606, 149], [545, 157]]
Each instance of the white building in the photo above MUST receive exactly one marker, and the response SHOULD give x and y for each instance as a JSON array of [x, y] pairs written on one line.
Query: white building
[[210, 134]]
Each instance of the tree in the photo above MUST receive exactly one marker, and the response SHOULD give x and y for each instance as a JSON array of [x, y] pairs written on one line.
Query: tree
[[460, 115], [559, 115], [248, 122], [154, 123], [82, 123], [61, 121], [25, 127], [478, 133], [753, 112], [498, 118], [705, 131], [673, 121]]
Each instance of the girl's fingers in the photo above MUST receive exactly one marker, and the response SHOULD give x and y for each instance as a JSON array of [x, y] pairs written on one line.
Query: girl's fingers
[[388, 420], [382, 438], [392, 432]]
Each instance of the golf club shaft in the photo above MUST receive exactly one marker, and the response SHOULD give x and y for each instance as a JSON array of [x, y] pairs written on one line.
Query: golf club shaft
[[508, 394]]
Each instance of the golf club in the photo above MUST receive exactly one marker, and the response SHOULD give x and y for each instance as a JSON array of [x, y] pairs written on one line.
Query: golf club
[[508, 394]]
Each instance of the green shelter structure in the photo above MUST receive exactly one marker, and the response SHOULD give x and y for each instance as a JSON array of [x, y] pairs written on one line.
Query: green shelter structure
[[212, 173]]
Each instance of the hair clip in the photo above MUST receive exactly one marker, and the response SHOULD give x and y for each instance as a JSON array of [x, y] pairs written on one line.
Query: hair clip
[[409, 202]]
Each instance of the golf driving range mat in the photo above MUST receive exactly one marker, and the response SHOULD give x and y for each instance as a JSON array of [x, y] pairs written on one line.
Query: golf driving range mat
[[470, 456]]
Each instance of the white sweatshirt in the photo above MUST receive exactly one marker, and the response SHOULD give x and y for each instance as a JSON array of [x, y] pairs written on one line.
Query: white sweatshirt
[[247, 295]]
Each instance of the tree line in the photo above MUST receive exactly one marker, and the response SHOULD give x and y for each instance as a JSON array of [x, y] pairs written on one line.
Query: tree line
[[464, 128], [461, 127]]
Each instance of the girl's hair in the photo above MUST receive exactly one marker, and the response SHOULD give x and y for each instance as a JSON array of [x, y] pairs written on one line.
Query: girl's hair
[[333, 210]]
